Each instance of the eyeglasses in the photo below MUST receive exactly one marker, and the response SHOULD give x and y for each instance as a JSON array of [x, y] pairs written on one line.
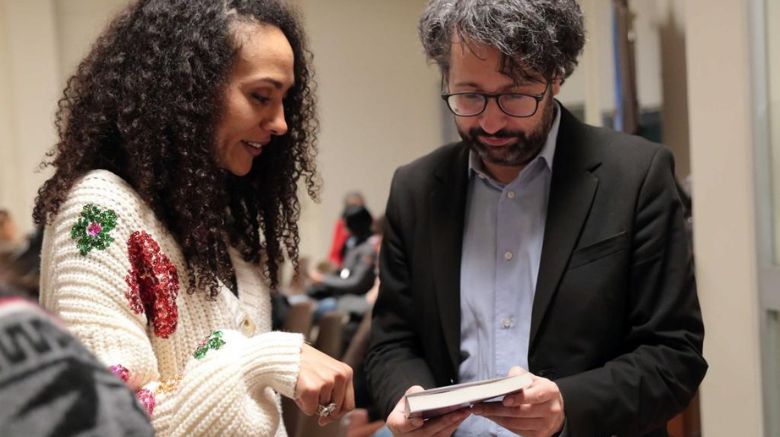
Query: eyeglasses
[[512, 104]]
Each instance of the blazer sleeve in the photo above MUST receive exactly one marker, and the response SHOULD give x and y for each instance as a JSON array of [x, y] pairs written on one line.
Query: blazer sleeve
[[661, 364], [395, 360]]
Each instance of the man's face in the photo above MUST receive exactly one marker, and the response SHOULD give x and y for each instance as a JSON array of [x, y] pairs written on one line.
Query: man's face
[[498, 138]]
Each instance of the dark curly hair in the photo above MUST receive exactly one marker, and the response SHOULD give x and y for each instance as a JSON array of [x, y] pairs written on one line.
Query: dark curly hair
[[144, 105], [543, 36]]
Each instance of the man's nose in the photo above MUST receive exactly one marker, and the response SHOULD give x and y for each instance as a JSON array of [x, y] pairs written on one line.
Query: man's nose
[[493, 118]]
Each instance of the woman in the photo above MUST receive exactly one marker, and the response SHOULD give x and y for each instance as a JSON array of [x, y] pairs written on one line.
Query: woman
[[183, 135]]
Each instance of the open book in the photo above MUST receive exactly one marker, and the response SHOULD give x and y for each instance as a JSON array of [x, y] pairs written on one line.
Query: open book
[[442, 400]]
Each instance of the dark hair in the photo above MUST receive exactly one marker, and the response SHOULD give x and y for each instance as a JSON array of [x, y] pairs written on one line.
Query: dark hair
[[144, 105], [545, 36], [358, 221]]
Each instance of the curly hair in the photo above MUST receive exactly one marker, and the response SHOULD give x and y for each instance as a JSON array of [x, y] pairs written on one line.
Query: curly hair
[[541, 36], [144, 105]]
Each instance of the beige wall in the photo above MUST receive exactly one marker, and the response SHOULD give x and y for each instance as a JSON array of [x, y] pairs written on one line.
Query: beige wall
[[79, 22], [41, 43], [724, 210], [7, 149], [379, 102], [773, 73], [29, 91]]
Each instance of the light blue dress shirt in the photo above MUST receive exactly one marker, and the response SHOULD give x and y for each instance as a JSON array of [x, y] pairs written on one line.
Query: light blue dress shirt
[[502, 247]]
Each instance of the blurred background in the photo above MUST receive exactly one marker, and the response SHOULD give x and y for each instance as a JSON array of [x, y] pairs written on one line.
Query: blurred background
[[701, 76]]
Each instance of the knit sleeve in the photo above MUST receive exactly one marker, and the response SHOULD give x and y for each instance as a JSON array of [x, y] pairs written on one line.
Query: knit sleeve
[[126, 312]]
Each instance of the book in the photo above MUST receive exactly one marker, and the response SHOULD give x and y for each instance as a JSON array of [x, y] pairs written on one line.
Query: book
[[437, 401]]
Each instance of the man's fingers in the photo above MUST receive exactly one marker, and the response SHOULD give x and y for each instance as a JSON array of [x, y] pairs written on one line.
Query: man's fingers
[[397, 420], [541, 390], [515, 371], [440, 425], [495, 409], [449, 429], [398, 423], [525, 427], [522, 410], [414, 389]]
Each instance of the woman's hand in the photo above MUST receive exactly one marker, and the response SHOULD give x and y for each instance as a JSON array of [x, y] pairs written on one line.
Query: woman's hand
[[323, 380]]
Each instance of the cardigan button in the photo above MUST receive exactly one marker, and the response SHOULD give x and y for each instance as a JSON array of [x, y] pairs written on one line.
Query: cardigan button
[[247, 327]]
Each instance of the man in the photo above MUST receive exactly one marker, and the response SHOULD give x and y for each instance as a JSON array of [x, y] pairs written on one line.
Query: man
[[536, 243]]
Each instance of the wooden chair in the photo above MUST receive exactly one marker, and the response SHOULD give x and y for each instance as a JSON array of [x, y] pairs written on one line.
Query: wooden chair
[[299, 320], [329, 340]]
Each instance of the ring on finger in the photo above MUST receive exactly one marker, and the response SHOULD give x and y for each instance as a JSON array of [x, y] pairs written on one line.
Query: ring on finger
[[326, 410]]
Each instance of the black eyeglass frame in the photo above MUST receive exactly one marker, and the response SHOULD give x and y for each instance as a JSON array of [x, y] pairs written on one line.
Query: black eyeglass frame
[[497, 97]]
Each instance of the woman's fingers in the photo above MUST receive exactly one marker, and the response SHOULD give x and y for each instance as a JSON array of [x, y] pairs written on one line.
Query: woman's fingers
[[323, 380]]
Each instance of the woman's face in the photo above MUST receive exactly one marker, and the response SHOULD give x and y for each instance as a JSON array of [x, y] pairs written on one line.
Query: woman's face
[[253, 105]]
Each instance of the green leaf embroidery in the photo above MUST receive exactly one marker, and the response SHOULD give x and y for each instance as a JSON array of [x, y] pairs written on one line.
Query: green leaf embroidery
[[213, 341]]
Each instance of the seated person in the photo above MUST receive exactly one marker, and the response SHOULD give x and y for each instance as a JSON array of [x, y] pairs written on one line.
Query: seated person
[[345, 288]]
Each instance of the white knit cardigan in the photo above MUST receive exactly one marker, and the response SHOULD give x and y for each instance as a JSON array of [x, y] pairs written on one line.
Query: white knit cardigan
[[121, 289]]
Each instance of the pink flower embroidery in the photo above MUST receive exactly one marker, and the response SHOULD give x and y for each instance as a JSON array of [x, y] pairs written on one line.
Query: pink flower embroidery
[[94, 229], [120, 371], [153, 284], [146, 398]]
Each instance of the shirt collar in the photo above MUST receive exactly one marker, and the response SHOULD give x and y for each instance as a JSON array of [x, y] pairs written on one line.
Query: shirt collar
[[546, 154]]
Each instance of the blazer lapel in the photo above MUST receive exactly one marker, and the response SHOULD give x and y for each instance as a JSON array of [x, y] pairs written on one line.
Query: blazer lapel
[[572, 189], [448, 206]]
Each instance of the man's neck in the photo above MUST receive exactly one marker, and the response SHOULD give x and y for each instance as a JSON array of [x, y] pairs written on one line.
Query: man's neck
[[502, 173]]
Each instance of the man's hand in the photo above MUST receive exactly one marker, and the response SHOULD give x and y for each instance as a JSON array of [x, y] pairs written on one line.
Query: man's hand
[[442, 426], [535, 411]]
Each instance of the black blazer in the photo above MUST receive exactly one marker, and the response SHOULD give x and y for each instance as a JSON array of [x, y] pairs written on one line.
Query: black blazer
[[615, 322]]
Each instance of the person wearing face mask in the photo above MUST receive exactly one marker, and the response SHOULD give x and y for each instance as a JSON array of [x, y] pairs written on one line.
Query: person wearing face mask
[[358, 271], [536, 244], [182, 138]]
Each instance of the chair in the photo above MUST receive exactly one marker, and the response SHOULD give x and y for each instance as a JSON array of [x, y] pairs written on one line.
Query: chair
[[331, 333], [298, 319], [329, 340]]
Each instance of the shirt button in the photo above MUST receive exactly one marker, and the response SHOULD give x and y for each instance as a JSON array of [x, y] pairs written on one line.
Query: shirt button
[[506, 323], [510, 194], [508, 255]]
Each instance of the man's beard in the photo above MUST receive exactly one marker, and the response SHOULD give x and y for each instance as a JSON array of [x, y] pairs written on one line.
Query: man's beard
[[517, 153]]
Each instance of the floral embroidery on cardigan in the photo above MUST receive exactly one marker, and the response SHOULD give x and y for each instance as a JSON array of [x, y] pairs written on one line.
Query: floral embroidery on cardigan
[[147, 400], [213, 342], [120, 371], [92, 230], [153, 284]]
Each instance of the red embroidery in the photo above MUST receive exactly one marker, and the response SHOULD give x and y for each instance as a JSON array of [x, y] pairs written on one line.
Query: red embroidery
[[146, 398], [153, 282]]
